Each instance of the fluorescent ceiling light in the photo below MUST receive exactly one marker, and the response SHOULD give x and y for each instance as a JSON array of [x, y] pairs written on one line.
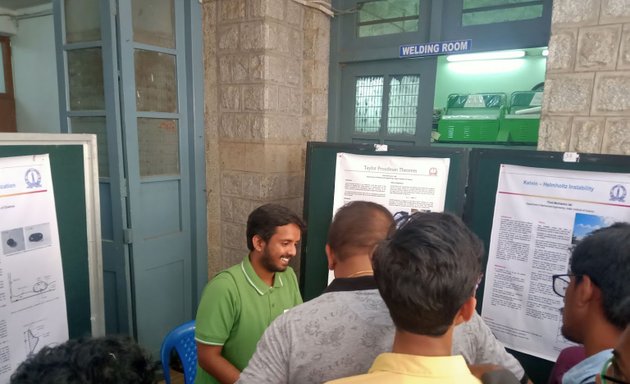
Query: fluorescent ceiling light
[[545, 52], [486, 56]]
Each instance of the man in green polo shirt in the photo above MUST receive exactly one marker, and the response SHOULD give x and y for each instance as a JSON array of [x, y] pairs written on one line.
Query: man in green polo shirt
[[240, 302]]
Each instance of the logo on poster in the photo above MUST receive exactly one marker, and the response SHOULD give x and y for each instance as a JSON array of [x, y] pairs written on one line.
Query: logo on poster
[[433, 171], [618, 193], [33, 178]]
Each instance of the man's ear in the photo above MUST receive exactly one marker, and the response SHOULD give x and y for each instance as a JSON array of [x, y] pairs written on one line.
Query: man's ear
[[466, 311], [586, 291], [258, 242], [330, 257]]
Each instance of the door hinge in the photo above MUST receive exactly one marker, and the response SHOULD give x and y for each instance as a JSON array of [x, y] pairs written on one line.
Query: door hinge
[[127, 236], [124, 188]]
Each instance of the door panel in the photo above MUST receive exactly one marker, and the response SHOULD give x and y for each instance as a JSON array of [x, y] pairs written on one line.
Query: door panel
[[89, 103], [156, 136], [387, 102]]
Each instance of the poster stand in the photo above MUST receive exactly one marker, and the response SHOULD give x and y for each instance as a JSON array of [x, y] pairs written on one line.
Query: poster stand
[[73, 161]]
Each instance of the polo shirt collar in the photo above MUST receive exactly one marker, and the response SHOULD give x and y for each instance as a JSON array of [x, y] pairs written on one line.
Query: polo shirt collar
[[255, 281], [424, 366]]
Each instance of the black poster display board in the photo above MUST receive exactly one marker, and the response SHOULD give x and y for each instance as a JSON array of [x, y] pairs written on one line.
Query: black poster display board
[[480, 200], [471, 193], [319, 191]]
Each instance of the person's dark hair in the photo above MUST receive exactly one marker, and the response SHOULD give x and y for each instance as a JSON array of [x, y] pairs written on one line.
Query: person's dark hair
[[264, 220], [105, 360], [358, 227], [604, 256], [427, 270]]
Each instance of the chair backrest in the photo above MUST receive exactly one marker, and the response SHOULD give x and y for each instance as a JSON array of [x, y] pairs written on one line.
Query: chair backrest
[[182, 338]]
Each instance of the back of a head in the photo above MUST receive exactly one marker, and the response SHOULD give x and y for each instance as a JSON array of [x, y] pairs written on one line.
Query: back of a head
[[427, 270], [358, 227], [604, 256], [263, 221], [106, 360]]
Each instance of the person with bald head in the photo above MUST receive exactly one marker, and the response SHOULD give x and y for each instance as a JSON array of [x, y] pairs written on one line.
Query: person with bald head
[[342, 331]]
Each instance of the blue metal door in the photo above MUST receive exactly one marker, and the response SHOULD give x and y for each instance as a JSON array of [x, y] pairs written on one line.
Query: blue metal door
[[127, 74]]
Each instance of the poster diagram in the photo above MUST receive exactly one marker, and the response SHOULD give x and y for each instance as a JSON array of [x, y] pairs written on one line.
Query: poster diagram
[[22, 290], [539, 215], [32, 296]]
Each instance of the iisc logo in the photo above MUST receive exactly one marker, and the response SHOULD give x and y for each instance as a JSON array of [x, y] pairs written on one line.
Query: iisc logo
[[618, 193], [33, 178]]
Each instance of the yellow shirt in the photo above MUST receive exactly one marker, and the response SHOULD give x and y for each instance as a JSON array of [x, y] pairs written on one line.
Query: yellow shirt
[[398, 368]]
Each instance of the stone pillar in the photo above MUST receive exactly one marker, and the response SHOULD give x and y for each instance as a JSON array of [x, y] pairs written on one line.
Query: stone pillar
[[586, 106], [266, 78]]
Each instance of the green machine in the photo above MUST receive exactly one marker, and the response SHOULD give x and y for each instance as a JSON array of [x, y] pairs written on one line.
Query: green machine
[[472, 117], [520, 124]]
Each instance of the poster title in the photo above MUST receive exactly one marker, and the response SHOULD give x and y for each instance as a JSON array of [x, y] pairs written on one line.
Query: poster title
[[375, 168], [546, 184]]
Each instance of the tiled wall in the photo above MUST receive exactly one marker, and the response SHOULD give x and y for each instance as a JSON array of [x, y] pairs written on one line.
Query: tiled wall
[[266, 79], [586, 104]]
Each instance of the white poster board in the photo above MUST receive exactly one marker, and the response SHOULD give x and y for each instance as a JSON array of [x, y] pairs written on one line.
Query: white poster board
[[32, 294], [408, 184], [400, 184], [539, 214]]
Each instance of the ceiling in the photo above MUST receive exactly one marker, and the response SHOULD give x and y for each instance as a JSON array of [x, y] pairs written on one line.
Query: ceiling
[[14, 5]]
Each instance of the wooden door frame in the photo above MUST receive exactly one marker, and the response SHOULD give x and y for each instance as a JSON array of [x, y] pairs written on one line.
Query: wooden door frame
[[8, 96]]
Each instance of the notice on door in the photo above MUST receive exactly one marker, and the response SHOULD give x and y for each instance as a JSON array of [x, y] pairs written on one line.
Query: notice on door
[[538, 216], [32, 295]]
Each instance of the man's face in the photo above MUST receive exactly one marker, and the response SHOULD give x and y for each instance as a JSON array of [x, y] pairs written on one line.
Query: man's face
[[281, 247], [570, 319]]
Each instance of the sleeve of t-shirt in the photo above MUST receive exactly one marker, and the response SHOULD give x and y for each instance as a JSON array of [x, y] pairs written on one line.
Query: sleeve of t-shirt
[[297, 297], [218, 311], [270, 363], [483, 348]]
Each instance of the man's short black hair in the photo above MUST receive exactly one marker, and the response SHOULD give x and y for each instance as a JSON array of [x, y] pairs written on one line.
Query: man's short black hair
[[105, 360], [427, 271], [264, 220], [604, 256]]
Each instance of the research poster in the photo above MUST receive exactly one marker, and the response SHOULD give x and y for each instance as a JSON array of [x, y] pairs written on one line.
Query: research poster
[[538, 216], [401, 184], [32, 297]]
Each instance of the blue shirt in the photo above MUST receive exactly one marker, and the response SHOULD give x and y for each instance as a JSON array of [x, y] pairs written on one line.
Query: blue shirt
[[585, 371]]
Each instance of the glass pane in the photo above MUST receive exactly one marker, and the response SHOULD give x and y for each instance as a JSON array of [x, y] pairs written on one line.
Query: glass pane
[[481, 12], [83, 21], [403, 105], [369, 102], [158, 142], [154, 22], [156, 82], [383, 17], [85, 79], [95, 125]]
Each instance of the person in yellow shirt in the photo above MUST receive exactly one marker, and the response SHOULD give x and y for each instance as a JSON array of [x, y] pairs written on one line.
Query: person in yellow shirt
[[427, 274]]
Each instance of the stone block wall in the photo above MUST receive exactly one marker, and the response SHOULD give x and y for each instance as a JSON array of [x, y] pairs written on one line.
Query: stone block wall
[[586, 106], [266, 79]]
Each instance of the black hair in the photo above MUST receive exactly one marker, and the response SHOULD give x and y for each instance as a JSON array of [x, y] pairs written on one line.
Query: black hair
[[604, 256], [358, 227], [427, 271], [264, 220], [105, 360]]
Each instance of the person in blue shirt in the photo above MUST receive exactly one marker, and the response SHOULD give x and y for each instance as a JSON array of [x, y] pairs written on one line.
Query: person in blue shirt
[[594, 292]]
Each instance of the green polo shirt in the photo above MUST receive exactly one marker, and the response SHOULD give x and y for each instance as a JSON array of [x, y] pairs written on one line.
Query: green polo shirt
[[235, 309]]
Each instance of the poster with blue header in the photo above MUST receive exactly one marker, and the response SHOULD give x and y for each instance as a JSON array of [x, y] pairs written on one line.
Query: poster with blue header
[[32, 294], [539, 215]]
